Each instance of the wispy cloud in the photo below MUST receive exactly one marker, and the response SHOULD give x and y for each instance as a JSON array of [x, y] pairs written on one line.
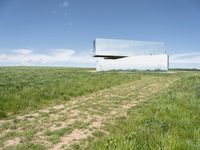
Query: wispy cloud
[[54, 57], [3, 57], [70, 57], [186, 58], [23, 51], [64, 4]]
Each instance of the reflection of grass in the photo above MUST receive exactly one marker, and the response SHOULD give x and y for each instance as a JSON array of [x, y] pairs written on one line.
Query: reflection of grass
[[28, 88], [169, 121]]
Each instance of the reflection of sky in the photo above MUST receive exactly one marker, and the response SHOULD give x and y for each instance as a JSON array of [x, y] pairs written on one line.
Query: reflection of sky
[[128, 47]]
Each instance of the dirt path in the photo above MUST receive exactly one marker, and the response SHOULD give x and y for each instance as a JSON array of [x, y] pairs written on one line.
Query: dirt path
[[65, 126]]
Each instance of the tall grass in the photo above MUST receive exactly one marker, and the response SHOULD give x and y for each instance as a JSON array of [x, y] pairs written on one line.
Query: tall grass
[[28, 88], [169, 121]]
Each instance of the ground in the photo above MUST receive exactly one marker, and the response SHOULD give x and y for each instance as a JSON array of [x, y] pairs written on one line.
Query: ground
[[73, 124]]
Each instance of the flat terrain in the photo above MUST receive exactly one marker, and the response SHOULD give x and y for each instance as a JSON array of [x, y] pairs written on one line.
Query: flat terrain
[[167, 121], [102, 118], [23, 89]]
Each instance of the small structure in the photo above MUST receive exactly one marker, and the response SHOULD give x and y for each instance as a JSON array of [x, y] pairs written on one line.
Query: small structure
[[115, 54]]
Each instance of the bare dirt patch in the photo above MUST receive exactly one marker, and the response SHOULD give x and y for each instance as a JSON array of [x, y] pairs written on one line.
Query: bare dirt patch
[[71, 138], [12, 142]]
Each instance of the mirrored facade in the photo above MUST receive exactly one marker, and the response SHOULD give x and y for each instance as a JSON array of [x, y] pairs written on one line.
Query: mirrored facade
[[130, 55], [114, 47]]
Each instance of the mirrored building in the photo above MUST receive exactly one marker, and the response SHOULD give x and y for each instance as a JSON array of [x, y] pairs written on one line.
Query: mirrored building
[[115, 54]]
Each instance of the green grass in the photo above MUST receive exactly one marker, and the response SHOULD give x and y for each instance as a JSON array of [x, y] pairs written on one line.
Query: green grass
[[55, 135], [28, 88], [168, 121]]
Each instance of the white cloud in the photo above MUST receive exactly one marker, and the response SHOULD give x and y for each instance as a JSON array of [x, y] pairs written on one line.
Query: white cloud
[[53, 57], [3, 57], [23, 51], [70, 57], [62, 54], [186, 58]]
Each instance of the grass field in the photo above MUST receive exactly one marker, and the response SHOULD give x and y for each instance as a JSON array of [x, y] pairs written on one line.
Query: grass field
[[169, 121], [68, 108], [23, 89]]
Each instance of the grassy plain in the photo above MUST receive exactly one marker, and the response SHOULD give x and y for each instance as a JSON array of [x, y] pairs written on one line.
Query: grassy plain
[[115, 110], [28, 88], [168, 121]]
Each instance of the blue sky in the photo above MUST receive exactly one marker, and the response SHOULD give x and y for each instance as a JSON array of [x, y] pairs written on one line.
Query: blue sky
[[60, 32]]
